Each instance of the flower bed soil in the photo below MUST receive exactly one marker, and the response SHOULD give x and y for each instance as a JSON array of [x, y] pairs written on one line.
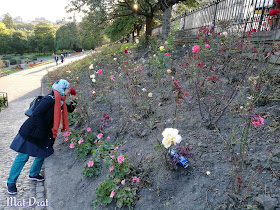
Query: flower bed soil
[[161, 187]]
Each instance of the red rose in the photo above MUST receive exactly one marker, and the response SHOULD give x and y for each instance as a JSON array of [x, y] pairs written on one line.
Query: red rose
[[277, 1], [274, 12], [254, 30], [72, 91], [126, 51]]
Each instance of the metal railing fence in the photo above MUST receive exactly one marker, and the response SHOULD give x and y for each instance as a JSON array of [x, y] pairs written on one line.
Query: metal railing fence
[[242, 16]]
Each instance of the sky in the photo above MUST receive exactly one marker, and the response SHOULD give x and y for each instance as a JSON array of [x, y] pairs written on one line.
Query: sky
[[30, 9]]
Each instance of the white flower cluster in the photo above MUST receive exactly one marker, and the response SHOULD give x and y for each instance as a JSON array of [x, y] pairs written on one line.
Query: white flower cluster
[[170, 136], [93, 78]]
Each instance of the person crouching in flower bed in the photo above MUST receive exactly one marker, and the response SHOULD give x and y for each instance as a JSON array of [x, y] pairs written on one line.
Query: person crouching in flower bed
[[37, 134]]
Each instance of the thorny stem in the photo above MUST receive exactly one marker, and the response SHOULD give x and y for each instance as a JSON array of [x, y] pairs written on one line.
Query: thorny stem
[[198, 98], [267, 162], [175, 115], [224, 109]]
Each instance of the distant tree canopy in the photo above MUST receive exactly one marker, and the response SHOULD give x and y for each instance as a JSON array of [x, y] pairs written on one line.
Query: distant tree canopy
[[9, 21], [25, 26], [19, 42], [90, 33], [45, 37], [67, 37], [5, 39]]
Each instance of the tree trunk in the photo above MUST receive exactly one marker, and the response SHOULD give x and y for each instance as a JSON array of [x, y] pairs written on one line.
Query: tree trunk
[[166, 22], [149, 26], [133, 37]]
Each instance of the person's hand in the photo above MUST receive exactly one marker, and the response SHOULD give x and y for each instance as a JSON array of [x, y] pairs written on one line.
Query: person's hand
[[74, 97]]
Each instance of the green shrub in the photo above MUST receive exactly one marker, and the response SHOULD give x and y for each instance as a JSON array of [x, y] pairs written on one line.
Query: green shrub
[[32, 57], [2, 64], [103, 192], [13, 61], [3, 102], [7, 57], [94, 170], [27, 60], [18, 60]]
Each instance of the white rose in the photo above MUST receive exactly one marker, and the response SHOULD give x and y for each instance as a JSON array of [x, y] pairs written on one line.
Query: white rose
[[170, 136]]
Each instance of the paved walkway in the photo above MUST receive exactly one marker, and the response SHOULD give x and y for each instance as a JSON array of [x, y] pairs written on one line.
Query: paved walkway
[[21, 87]]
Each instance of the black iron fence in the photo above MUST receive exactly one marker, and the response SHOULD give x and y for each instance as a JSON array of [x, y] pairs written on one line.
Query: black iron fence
[[239, 15]]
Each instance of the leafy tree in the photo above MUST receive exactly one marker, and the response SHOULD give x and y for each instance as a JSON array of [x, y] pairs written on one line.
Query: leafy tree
[[48, 43], [113, 9], [8, 21], [67, 37], [91, 31], [5, 39], [122, 26], [19, 42], [44, 37], [31, 43]]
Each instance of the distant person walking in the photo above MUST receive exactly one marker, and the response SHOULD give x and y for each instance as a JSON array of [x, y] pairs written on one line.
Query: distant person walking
[[56, 59], [62, 57]]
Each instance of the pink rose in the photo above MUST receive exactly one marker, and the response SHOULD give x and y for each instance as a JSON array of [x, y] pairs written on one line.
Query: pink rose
[[99, 136], [76, 122], [112, 77], [67, 134], [167, 54], [112, 156], [90, 163], [120, 158], [72, 145], [123, 181], [112, 194], [137, 180], [95, 142], [80, 141], [99, 71], [195, 48], [134, 178], [108, 137], [257, 121], [207, 46], [75, 110], [66, 139], [211, 25], [111, 168], [88, 129]]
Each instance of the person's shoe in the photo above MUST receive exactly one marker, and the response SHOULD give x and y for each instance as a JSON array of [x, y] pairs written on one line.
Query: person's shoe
[[11, 188], [37, 178]]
